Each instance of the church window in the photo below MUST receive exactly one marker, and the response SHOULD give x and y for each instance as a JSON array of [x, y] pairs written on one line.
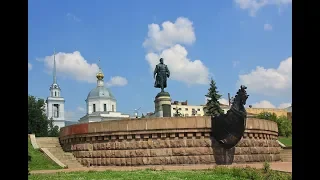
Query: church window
[[112, 108], [94, 108], [56, 110], [104, 107], [55, 93]]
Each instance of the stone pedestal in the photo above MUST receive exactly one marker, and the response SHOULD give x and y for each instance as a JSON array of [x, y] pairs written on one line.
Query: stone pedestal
[[162, 98]]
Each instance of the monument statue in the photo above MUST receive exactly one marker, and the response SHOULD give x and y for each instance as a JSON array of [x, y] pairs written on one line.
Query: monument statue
[[228, 129], [161, 73]]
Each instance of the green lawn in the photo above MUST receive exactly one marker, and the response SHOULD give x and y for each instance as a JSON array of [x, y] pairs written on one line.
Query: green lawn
[[213, 174], [39, 161], [287, 141]]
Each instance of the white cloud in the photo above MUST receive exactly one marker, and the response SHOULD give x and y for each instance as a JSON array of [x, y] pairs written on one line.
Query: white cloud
[[267, 27], [117, 81], [263, 104], [167, 44], [224, 101], [235, 63], [73, 17], [179, 32], [270, 81], [80, 109], [73, 66], [254, 5], [181, 68], [29, 66], [284, 105], [268, 104]]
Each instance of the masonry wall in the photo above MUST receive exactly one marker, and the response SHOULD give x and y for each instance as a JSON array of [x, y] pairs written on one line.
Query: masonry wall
[[162, 141]]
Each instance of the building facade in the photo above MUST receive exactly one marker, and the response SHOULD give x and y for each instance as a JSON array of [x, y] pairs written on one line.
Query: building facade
[[55, 102], [191, 110]]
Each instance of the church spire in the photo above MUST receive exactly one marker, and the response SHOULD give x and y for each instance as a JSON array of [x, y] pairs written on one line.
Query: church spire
[[54, 68], [100, 74]]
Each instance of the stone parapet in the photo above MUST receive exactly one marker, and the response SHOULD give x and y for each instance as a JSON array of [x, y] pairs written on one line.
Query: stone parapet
[[164, 141]]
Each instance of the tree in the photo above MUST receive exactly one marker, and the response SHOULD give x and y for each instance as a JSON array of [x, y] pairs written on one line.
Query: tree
[[213, 106], [142, 115], [284, 125], [37, 120], [53, 130]]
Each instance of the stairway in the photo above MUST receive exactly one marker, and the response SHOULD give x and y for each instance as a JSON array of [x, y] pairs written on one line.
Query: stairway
[[53, 145], [286, 155]]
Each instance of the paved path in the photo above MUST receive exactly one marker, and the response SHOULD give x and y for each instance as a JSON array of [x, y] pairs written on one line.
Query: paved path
[[279, 166]]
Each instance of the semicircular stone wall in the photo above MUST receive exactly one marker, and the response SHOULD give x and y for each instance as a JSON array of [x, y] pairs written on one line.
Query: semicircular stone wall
[[166, 141]]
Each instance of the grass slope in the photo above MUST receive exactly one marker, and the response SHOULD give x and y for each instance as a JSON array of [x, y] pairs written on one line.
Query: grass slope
[[39, 161], [212, 174], [287, 141]]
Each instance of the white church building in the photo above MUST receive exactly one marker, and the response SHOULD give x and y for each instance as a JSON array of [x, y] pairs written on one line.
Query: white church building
[[101, 104], [55, 102]]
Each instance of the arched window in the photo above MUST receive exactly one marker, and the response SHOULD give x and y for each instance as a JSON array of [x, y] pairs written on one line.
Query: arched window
[[55, 93]]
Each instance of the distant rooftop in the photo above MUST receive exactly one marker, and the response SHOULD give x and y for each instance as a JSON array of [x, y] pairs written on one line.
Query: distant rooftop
[[179, 103]]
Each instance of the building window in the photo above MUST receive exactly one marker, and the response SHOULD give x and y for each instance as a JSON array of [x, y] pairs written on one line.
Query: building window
[[174, 108], [94, 108], [186, 109], [198, 109], [104, 107], [112, 108], [55, 93], [179, 108], [55, 110]]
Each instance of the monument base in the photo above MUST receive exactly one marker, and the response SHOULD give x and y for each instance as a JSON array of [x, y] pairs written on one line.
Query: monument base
[[162, 105]]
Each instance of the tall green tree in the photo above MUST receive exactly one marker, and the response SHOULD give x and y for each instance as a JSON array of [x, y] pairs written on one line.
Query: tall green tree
[[213, 106], [37, 120], [53, 130]]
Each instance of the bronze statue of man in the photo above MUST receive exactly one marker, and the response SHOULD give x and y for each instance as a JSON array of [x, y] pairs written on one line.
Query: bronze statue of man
[[161, 73]]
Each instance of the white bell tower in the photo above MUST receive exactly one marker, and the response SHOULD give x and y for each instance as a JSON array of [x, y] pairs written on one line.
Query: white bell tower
[[55, 103]]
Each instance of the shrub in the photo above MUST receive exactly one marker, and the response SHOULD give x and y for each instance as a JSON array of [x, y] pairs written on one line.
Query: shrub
[[284, 125], [266, 167], [267, 116]]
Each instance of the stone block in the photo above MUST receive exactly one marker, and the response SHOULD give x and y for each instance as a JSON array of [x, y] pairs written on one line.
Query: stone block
[[173, 160], [178, 151], [118, 161], [206, 159], [180, 159]]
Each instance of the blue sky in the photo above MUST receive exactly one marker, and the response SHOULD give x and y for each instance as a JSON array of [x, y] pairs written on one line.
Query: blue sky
[[235, 42]]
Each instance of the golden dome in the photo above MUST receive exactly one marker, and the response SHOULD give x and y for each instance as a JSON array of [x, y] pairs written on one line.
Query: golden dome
[[100, 75]]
